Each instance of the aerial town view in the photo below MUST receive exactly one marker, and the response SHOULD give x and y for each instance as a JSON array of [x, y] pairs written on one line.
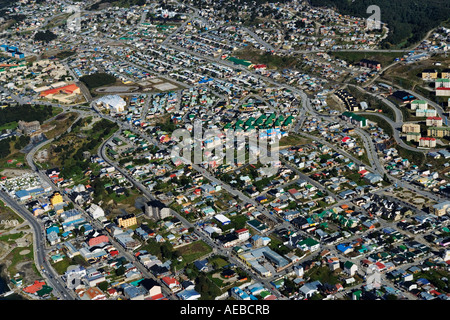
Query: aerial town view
[[223, 150]]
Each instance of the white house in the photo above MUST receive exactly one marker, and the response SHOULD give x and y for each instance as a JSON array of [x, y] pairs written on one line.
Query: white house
[[95, 211], [350, 268], [310, 288]]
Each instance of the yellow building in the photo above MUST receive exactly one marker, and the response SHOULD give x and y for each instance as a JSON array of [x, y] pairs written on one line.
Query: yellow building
[[126, 221], [429, 74], [411, 127], [414, 136], [445, 74], [441, 208], [56, 199], [439, 132]]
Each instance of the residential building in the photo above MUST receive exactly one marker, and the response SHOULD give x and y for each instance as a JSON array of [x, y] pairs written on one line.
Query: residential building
[[429, 74], [156, 210], [442, 87], [419, 104], [426, 112], [92, 293], [413, 136], [434, 122], [427, 142], [97, 240], [95, 211], [126, 221], [372, 64], [355, 119], [172, 283], [411, 127], [438, 132], [350, 268], [56, 199], [441, 209]]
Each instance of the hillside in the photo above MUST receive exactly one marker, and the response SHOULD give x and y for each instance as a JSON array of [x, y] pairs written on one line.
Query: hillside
[[408, 20]]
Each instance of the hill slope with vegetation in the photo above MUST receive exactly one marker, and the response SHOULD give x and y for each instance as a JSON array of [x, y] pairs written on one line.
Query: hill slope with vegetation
[[408, 20]]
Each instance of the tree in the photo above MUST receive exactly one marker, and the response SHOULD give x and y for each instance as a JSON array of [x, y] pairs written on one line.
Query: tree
[[120, 271], [97, 80], [45, 36], [103, 285]]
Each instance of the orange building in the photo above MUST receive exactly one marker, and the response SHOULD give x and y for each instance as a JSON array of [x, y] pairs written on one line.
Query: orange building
[[69, 89], [35, 287]]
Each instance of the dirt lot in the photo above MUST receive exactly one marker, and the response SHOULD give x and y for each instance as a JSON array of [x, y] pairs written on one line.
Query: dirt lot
[[12, 173]]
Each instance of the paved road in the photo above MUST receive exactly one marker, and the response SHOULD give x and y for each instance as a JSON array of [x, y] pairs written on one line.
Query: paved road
[[186, 223], [42, 264]]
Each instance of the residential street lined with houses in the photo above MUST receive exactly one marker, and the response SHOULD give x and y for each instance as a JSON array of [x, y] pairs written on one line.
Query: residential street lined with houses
[[354, 206]]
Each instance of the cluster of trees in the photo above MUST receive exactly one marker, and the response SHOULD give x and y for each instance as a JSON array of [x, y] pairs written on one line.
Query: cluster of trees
[[97, 80], [21, 142], [167, 126], [162, 250], [118, 3], [136, 161], [73, 162], [45, 36], [207, 289], [18, 142], [25, 113], [408, 21], [5, 148]]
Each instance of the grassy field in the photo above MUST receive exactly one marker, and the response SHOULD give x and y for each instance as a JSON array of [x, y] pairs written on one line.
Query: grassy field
[[59, 125], [383, 124], [373, 102], [15, 257], [7, 214], [61, 266], [194, 251], [410, 76], [11, 238], [272, 61], [293, 140], [16, 160], [417, 158], [324, 275], [10, 126]]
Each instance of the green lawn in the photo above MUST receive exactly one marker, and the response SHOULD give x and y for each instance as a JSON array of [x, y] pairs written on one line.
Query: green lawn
[[194, 251], [417, 158], [11, 237], [293, 140], [324, 275], [15, 257], [383, 124], [218, 262], [10, 125], [61, 266], [16, 157]]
